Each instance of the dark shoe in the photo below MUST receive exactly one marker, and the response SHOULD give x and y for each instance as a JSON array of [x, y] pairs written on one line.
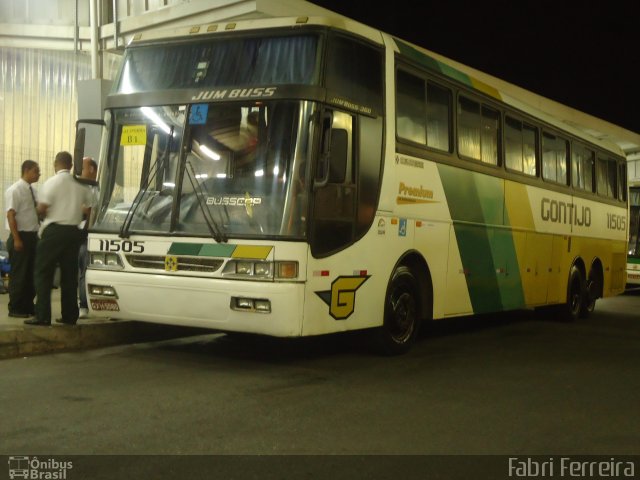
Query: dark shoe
[[19, 315], [65, 322], [35, 321]]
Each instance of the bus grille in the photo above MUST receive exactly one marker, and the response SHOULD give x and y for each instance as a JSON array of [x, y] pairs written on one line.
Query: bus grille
[[184, 264]]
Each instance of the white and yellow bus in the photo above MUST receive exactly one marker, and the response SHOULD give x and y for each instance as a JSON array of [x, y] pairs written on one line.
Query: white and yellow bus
[[633, 254], [302, 176]]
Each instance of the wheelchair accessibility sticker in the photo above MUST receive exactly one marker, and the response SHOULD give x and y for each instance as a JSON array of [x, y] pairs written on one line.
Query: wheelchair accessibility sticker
[[402, 228], [198, 114], [342, 296]]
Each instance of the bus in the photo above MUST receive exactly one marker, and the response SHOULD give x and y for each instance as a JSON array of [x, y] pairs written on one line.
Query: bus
[[304, 176], [633, 255]]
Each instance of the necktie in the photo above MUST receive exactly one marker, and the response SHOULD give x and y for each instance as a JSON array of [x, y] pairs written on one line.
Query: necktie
[[35, 204]]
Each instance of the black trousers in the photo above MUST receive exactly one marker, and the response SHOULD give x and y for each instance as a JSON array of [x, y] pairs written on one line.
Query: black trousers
[[59, 245], [21, 279]]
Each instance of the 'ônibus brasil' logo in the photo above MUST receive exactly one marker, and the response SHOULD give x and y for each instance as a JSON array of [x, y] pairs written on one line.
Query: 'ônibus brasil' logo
[[342, 296]]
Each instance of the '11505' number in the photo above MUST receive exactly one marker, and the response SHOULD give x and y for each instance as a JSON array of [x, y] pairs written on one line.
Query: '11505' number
[[126, 246]]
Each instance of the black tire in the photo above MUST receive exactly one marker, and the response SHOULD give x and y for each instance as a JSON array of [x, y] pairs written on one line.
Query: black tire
[[401, 315], [576, 294], [590, 297]]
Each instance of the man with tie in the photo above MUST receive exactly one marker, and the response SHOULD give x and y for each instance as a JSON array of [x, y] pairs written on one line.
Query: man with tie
[[22, 223]]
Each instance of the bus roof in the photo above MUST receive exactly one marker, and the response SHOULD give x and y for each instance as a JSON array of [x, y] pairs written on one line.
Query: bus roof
[[296, 13]]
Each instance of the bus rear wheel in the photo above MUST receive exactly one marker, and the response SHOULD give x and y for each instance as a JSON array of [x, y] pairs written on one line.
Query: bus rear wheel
[[590, 297], [576, 295], [401, 315]]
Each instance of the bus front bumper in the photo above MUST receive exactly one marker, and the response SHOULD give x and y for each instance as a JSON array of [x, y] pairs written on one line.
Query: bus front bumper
[[269, 308]]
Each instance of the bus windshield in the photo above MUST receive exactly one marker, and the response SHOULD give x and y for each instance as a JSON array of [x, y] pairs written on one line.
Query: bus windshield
[[220, 169], [286, 59]]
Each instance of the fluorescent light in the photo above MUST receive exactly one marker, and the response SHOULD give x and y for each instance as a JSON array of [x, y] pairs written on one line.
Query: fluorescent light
[[209, 153], [154, 116]]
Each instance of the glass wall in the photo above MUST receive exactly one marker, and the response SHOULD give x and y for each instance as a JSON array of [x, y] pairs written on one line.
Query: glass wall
[[38, 108]]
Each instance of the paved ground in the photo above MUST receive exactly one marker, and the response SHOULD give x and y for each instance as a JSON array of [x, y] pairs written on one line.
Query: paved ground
[[495, 387], [20, 340], [504, 384]]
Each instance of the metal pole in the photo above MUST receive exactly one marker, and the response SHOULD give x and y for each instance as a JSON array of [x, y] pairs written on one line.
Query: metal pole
[[115, 24], [75, 29]]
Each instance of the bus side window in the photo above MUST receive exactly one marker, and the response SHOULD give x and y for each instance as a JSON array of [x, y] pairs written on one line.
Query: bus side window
[[582, 167], [601, 176]]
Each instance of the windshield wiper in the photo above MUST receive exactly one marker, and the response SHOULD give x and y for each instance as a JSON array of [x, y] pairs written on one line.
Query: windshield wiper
[[216, 232], [151, 174]]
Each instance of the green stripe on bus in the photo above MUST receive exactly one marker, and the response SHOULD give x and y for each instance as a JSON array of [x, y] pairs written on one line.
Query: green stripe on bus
[[179, 248], [259, 252], [635, 260], [487, 249], [455, 74], [418, 57], [217, 250], [435, 65], [508, 275]]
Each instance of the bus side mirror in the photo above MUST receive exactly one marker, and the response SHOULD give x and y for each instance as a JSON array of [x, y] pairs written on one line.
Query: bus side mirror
[[324, 158], [81, 135], [78, 151], [338, 155], [333, 163]]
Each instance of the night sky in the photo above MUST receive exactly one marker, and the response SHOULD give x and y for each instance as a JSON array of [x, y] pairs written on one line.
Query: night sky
[[582, 55]]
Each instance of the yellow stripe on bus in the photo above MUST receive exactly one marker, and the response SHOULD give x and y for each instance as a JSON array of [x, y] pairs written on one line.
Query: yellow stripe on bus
[[518, 206], [252, 251]]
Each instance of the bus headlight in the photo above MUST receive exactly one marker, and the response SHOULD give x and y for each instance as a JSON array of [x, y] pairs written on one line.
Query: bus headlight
[[259, 305], [263, 269], [102, 291], [105, 261], [244, 268], [260, 270]]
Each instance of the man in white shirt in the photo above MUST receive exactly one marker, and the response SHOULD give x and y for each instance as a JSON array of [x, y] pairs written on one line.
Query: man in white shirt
[[89, 172], [22, 221], [62, 203]]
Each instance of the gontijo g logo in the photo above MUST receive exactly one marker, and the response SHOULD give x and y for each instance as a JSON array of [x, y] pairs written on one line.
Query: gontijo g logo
[[342, 296]]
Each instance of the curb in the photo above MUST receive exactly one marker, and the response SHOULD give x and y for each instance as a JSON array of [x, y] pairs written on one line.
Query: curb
[[28, 341]]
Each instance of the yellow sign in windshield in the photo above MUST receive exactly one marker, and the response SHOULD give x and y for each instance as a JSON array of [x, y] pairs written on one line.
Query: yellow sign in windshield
[[134, 135]]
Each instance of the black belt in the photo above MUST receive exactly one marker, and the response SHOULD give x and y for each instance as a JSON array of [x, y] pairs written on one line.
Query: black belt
[[64, 225]]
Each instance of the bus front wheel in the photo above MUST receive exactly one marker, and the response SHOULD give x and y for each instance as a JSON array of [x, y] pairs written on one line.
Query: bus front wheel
[[401, 315]]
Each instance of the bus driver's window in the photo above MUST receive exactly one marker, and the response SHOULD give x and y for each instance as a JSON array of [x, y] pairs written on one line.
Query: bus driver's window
[[335, 187]]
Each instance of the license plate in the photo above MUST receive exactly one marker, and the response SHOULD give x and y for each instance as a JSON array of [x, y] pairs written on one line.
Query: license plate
[[107, 305]]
